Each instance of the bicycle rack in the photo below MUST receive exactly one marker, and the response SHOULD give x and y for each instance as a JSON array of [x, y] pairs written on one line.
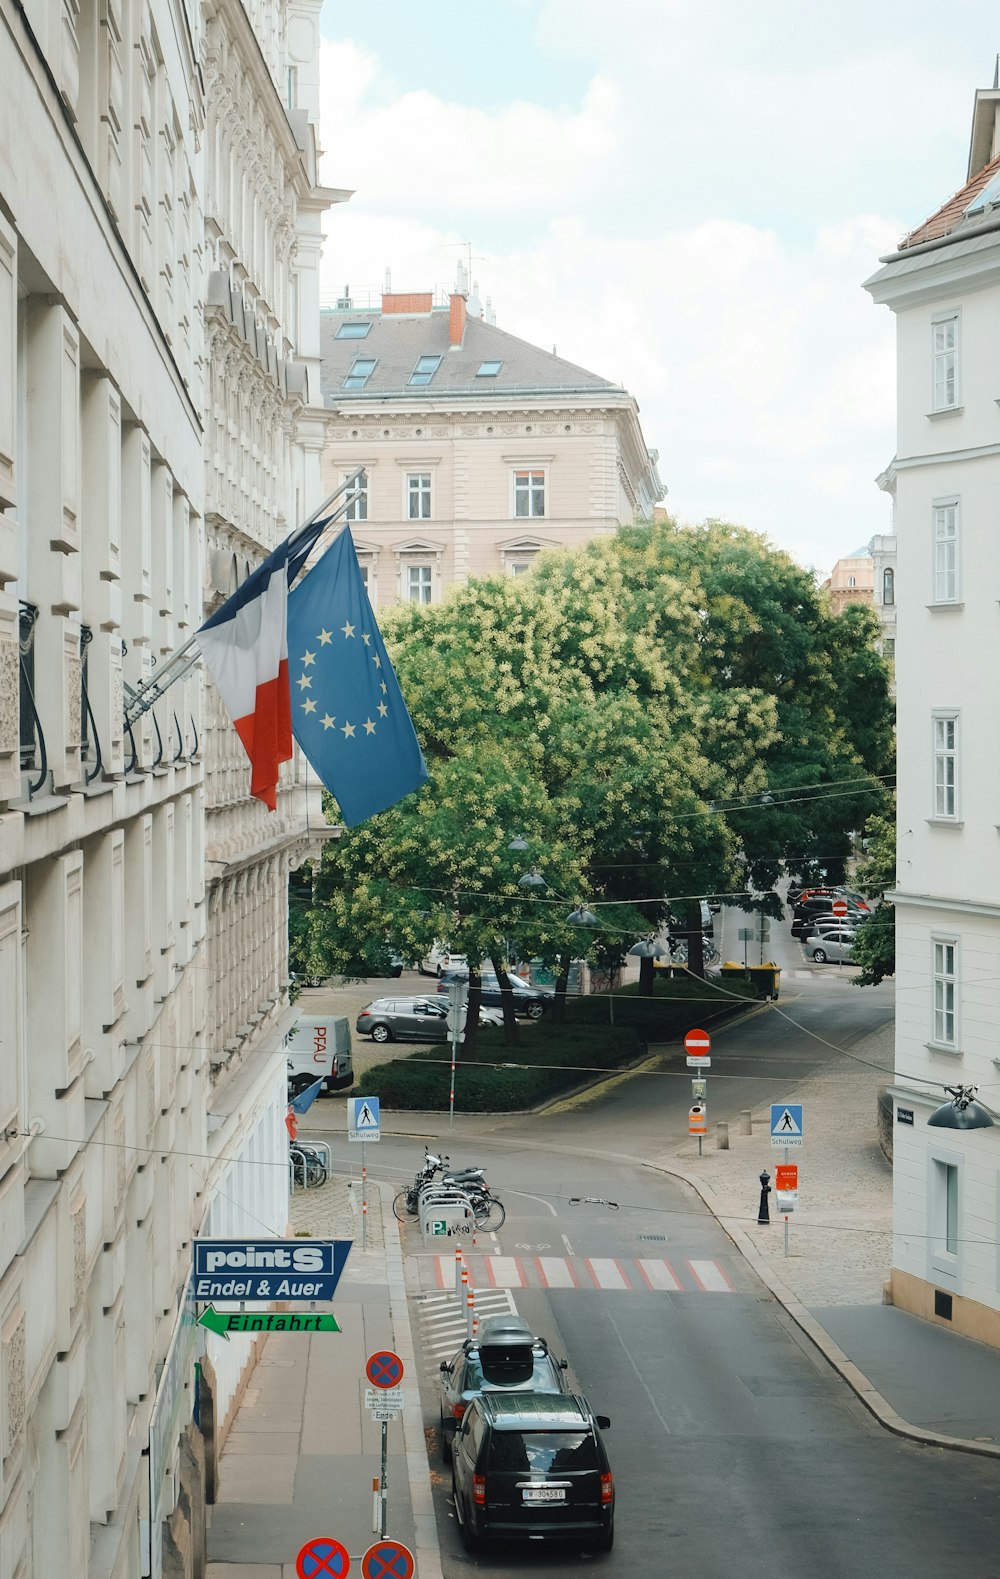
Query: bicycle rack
[[296, 1152]]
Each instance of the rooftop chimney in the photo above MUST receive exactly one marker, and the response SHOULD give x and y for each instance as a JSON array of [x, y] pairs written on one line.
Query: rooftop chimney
[[456, 320]]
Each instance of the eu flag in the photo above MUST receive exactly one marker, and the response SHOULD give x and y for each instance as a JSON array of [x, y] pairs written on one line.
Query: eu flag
[[348, 713]]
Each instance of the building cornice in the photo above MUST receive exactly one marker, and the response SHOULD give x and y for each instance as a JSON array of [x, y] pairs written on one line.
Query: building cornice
[[941, 268], [964, 907]]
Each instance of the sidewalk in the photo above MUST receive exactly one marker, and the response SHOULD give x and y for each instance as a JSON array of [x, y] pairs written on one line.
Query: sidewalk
[[302, 1452]]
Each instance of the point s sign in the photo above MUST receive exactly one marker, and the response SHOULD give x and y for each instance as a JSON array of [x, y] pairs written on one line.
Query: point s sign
[[268, 1269]]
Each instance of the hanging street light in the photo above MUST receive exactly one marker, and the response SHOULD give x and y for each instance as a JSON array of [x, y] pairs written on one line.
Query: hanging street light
[[518, 844], [962, 1112], [582, 917], [532, 879]]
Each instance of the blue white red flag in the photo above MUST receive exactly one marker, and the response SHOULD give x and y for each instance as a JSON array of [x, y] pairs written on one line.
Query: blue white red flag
[[244, 646]]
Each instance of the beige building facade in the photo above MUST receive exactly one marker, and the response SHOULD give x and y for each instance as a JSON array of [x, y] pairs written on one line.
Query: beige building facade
[[481, 451], [852, 580]]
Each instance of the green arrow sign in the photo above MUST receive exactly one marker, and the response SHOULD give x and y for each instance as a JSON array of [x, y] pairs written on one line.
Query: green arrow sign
[[224, 1322]]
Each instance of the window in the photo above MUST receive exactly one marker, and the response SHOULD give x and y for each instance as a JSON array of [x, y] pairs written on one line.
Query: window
[[425, 369], [361, 370], [888, 586], [488, 369], [529, 493], [852, 581], [946, 765], [889, 649], [418, 496], [945, 341], [946, 552], [944, 1210], [357, 510], [520, 567], [418, 583], [944, 958], [291, 86], [353, 331]]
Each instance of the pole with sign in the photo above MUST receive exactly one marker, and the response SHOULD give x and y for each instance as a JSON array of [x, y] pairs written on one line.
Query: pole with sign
[[458, 1005], [364, 1123], [698, 1045], [384, 1398]]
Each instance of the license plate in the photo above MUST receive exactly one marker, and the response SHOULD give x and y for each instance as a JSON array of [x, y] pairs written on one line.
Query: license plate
[[543, 1494]]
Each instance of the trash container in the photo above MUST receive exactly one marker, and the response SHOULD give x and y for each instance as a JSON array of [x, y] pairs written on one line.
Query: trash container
[[764, 977]]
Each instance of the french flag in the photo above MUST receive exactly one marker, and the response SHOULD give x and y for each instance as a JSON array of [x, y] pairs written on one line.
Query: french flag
[[245, 649]]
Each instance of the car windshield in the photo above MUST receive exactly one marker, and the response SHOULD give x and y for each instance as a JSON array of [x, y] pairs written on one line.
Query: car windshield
[[508, 1368], [542, 1452]]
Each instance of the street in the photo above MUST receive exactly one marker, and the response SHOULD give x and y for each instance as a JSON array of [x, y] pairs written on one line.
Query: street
[[735, 1447]]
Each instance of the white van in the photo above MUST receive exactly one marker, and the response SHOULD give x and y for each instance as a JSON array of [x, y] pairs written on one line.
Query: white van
[[319, 1044]]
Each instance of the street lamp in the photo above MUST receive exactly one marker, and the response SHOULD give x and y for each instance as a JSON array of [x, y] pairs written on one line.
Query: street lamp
[[962, 1112], [532, 879], [582, 917]]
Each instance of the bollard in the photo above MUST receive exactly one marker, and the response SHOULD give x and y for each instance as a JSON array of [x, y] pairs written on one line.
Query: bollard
[[746, 1121], [722, 1137], [470, 1312], [458, 1269], [763, 1215]]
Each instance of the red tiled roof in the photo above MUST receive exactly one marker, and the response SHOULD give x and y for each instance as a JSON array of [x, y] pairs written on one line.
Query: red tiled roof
[[950, 214]]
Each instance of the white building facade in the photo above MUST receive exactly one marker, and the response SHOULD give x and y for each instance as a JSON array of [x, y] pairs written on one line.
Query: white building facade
[[943, 284], [148, 421]]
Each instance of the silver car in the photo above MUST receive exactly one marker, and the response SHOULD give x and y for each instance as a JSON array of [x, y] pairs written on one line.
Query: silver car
[[835, 944]]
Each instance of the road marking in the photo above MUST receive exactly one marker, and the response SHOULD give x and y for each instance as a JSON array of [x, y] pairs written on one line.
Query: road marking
[[569, 1247], [606, 1272], [539, 1198], [556, 1272], [710, 1277], [659, 1275], [504, 1272]]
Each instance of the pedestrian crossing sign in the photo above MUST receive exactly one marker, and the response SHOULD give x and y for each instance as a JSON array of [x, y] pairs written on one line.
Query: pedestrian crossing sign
[[363, 1118], [786, 1123]]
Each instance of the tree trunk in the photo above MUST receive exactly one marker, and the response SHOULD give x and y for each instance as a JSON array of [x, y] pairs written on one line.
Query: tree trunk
[[470, 1041], [696, 940], [562, 982], [510, 1027]]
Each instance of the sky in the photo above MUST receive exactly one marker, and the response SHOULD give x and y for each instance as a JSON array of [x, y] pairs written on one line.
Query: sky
[[683, 196]]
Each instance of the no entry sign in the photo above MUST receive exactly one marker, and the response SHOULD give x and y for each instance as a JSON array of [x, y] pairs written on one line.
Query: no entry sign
[[839, 907], [697, 1045], [387, 1560]]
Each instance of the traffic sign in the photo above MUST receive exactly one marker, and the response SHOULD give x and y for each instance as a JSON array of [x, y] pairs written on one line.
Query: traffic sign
[[383, 1398], [323, 1558], [839, 907], [697, 1044], [387, 1560], [786, 1124], [268, 1269], [384, 1369], [224, 1322], [364, 1120]]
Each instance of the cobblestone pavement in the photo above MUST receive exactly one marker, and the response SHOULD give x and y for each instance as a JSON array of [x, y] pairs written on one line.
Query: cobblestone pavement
[[333, 1211], [840, 1234]]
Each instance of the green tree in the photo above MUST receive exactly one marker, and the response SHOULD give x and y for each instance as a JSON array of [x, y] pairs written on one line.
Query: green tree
[[875, 942]]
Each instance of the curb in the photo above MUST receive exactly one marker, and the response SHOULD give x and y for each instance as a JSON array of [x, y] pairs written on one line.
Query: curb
[[428, 1550], [857, 1381]]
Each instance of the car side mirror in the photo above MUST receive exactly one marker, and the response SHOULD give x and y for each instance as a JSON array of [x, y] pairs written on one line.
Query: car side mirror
[[564, 1365], [445, 1367], [603, 1422]]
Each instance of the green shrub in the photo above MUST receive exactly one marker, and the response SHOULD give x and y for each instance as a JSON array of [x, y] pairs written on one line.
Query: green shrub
[[549, 1060], [677, 1005]]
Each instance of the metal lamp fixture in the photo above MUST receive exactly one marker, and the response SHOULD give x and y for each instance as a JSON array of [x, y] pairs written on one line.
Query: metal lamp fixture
[[647, 948], [962, 1112], [532, 879], [518, 844], [582, 917]]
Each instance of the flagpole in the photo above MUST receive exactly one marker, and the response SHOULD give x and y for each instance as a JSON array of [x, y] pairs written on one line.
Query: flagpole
[[147, 692]]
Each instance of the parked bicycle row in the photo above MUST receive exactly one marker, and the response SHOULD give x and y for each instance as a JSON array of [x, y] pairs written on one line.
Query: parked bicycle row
[[435, 1175]]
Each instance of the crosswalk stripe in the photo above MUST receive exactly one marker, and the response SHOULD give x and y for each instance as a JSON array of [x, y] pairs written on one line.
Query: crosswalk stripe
[[606, 1272], [504, 1272], [710, 1277], [659, 1274], [556, 1272]]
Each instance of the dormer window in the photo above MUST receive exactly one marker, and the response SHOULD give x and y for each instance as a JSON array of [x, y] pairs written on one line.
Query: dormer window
[[353, 331], [489, 369], [425, 369], [361, 371]]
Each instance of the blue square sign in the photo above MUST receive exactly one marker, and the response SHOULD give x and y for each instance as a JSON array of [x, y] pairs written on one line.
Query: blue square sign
[[363, 1118], [786, 1123]]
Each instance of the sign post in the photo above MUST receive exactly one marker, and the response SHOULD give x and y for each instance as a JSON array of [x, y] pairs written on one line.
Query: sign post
[[697, 1045], [384, 1371], [458, 1007], [786, 1132], [364, 1123]]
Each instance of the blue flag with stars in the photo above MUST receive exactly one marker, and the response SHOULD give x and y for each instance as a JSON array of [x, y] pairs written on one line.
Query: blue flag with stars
[[348, 713]]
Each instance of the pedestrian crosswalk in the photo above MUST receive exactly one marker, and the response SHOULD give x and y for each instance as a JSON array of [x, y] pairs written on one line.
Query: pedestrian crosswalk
[[612, 1273]]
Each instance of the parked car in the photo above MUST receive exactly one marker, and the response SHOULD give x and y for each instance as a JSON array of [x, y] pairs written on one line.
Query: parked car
[[835, 945], [530, 1466], [506, 1357], [529, 1000], [412, 1019], [440, 959], [819, 904]]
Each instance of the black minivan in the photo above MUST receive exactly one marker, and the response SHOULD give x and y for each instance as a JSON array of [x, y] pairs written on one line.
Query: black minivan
[[532, 1466]]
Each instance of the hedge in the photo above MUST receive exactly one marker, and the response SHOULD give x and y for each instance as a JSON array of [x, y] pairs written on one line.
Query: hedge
[[550, 1059], [678, 1004]]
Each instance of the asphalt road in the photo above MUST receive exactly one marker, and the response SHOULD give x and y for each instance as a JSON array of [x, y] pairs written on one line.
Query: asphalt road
[[736, 1450]]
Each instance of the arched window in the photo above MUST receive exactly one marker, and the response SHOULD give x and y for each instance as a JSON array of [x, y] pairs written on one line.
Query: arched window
[[852, 581], [888, 586]]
